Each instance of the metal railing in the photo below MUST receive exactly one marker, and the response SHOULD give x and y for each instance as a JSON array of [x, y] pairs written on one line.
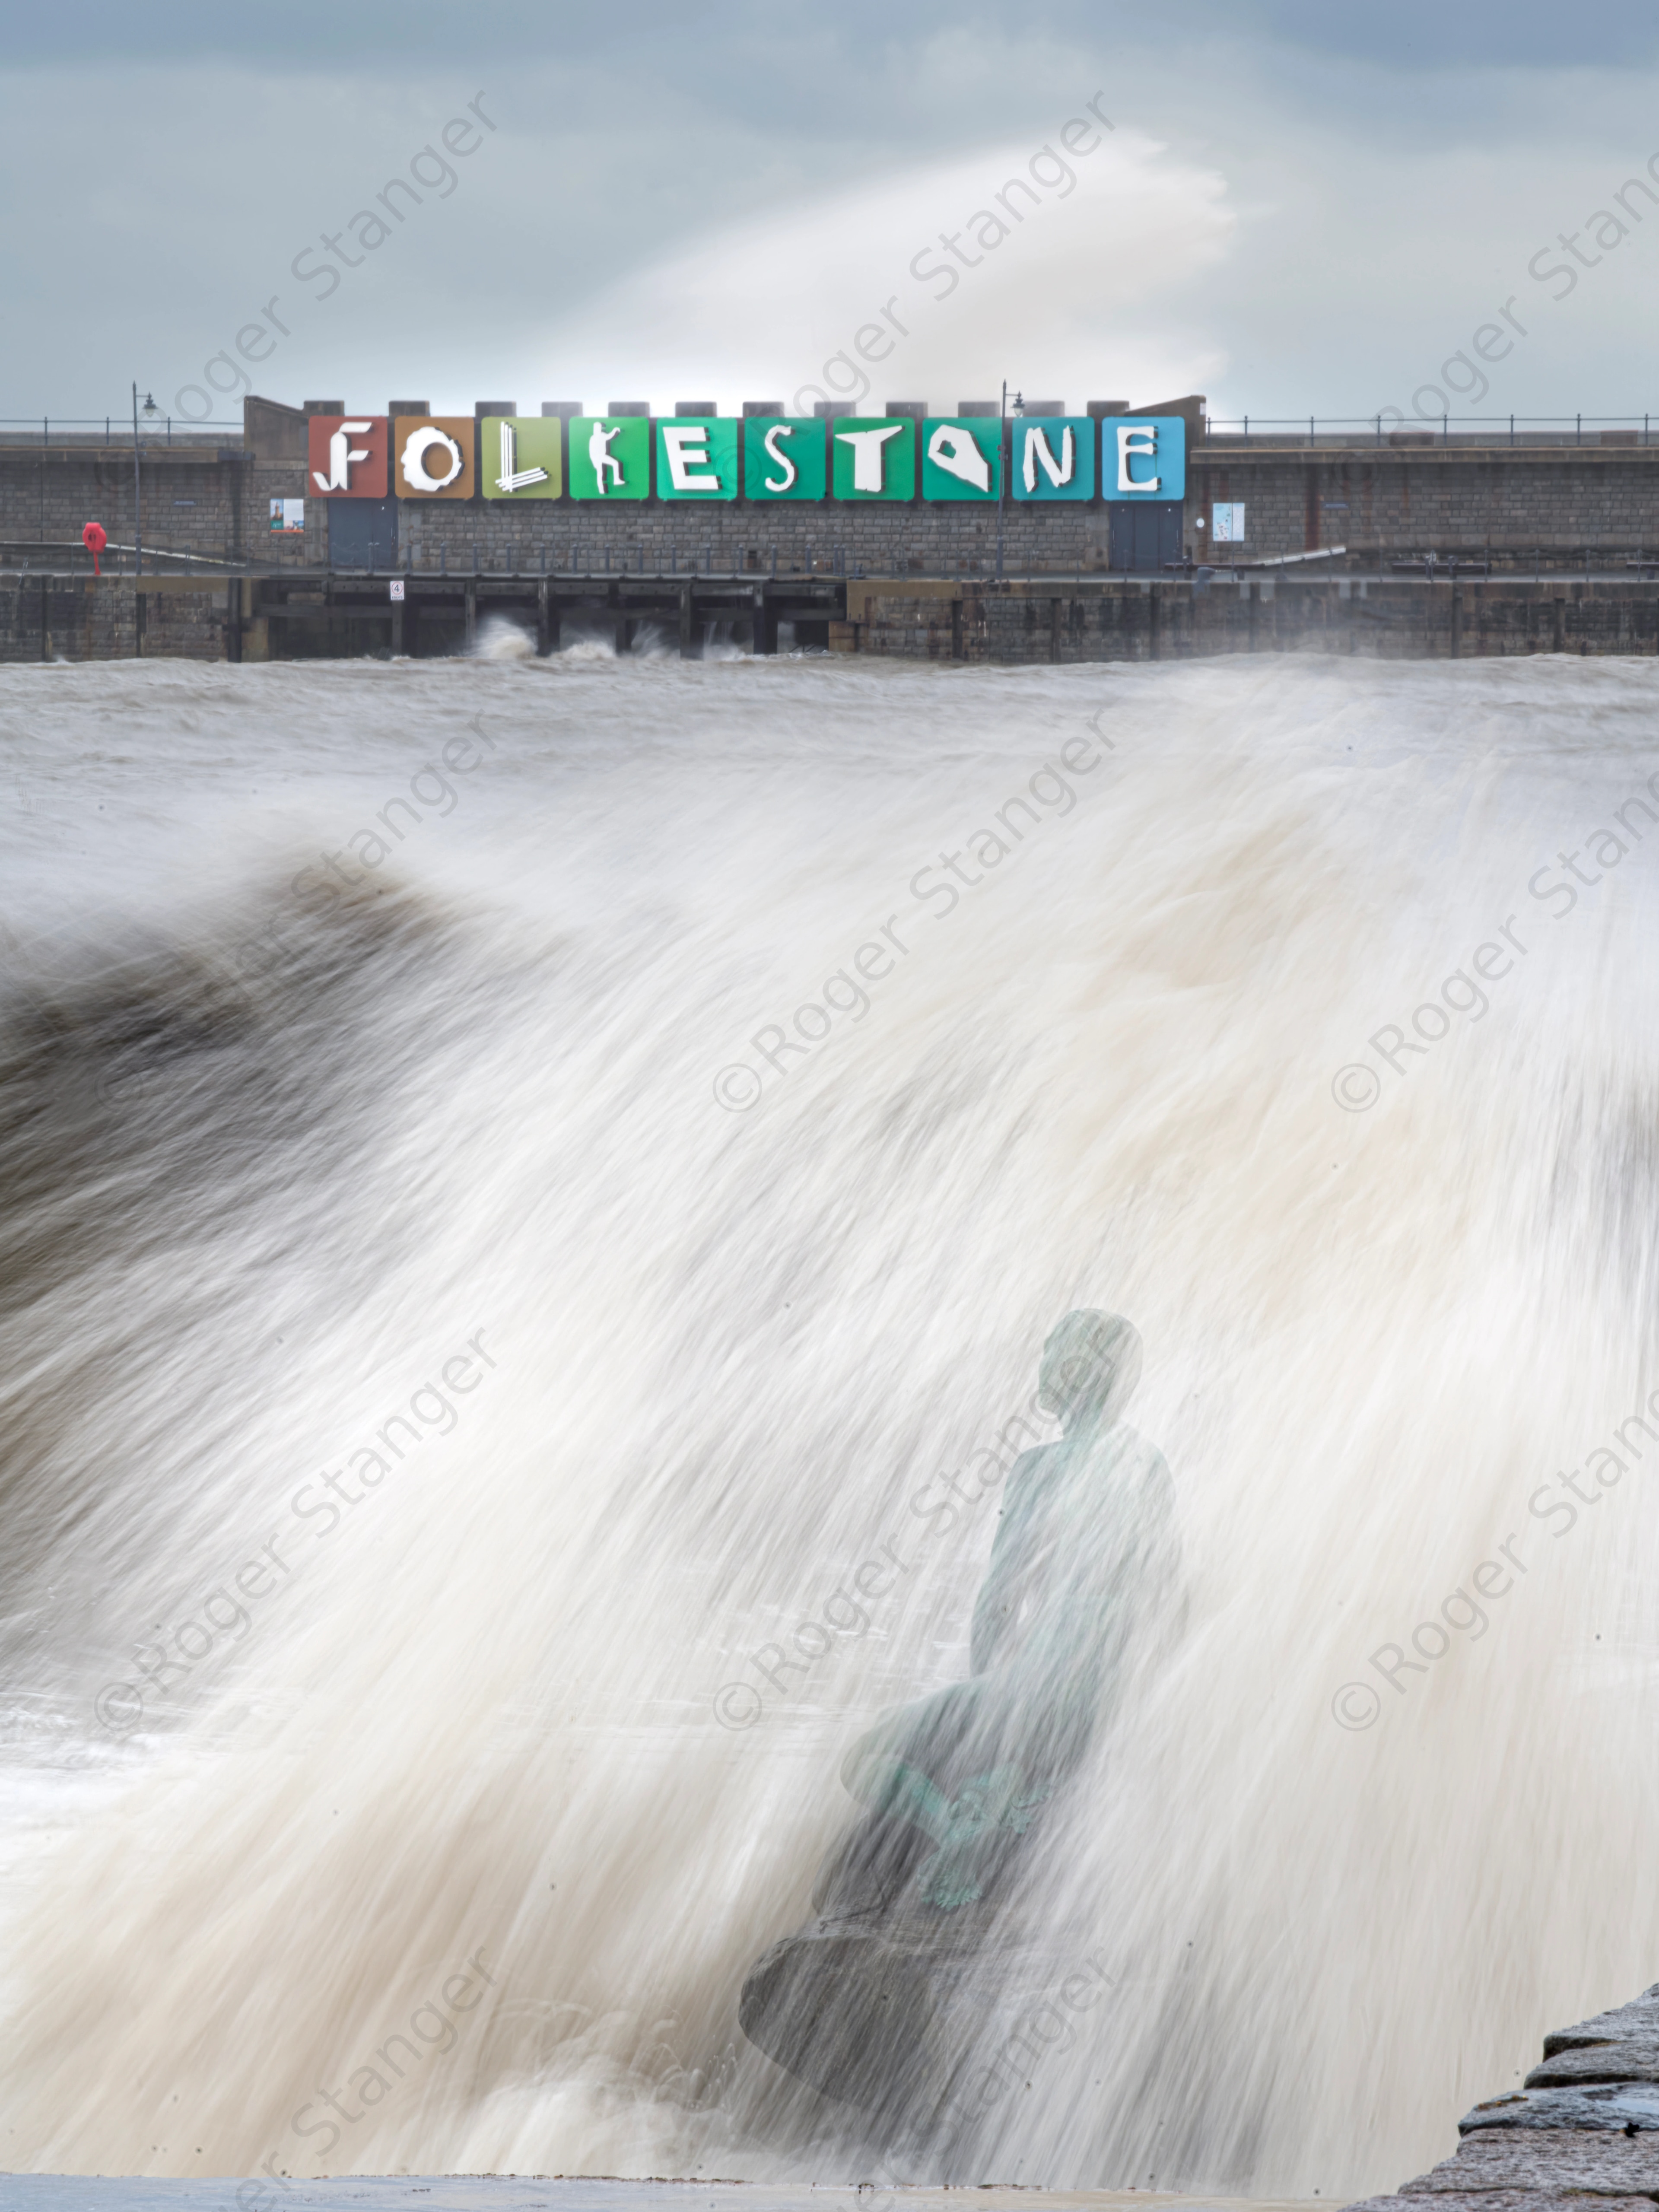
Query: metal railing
[[1439, 430], [601, 559], [50, 557], [83, 430], [1244, 429]]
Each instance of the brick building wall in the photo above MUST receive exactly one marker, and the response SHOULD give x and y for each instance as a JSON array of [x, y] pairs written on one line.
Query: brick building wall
[[675, 536], [212, 497], [1441, 498], [206, 500]]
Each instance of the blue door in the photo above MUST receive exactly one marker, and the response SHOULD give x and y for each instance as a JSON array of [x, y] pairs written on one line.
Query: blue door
[[1146, 534], [362, 533]]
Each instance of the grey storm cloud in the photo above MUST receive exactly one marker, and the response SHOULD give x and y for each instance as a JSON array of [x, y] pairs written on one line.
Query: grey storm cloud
[[1365, 190]]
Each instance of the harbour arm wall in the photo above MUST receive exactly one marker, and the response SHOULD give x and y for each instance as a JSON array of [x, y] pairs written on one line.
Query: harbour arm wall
[[1407, 545]]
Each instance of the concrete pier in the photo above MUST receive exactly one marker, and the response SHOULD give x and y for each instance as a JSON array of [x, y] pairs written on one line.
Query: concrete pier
[[219, 613], [28, 2192], [289, 614]]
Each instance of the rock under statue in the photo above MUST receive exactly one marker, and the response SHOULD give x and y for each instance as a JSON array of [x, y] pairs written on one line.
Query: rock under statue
[[878, 2001]]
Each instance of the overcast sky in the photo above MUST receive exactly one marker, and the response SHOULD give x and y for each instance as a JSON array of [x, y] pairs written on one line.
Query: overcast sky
[[1297, 207]]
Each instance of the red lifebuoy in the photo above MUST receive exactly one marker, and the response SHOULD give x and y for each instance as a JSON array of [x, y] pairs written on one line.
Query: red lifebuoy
[[94, 538]]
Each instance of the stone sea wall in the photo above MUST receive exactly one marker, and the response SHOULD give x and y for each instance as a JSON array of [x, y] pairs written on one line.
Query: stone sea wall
[[1582, 2131]]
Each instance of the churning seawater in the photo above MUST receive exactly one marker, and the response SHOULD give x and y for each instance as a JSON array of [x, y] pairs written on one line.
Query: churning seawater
[[522, 1180]]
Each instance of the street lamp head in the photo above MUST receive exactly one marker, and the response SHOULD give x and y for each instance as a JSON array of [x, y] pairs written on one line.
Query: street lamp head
[[149, 411]]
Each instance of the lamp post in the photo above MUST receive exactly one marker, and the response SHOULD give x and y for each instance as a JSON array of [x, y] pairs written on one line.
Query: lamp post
[[151, 410], [1004, 450]]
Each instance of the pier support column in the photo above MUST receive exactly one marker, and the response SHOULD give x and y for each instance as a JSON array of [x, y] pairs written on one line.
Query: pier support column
[[766, 625], [544, 620], [472, 606], [686, 647]]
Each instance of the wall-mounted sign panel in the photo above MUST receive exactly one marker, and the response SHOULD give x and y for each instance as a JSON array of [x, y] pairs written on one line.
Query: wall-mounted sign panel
[[288, 517], [1227, 519], [432, 456], [962, 457], [762, 458], [1143, 457], [783, 457], [610, 456], [521, 457], [875, 457], [346, 456], [697, 457], [1054, 457]]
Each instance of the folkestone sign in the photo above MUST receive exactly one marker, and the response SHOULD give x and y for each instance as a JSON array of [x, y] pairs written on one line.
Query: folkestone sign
[[758, 457]]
